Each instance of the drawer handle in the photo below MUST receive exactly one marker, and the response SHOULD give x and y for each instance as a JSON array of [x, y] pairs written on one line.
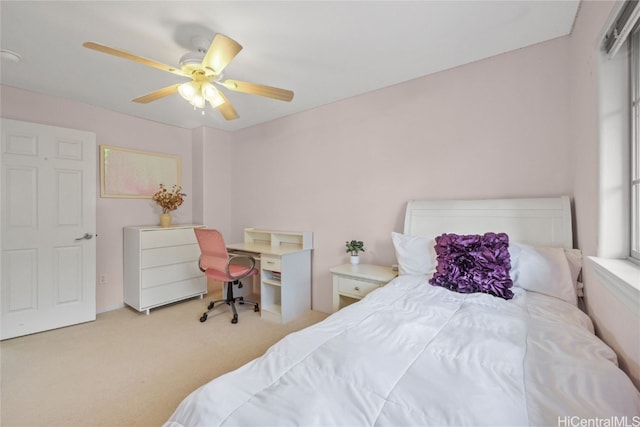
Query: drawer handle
[[357, 288]]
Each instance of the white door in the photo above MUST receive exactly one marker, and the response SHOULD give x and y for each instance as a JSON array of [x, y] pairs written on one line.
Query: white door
[[48, 198]]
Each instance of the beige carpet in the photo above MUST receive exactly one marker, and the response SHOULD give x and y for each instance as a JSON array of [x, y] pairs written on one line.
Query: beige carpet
[[127, 368]]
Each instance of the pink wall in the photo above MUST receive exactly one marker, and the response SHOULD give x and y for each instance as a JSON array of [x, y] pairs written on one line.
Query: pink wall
[[111, 214], [218, 177], [494, 128], [584, 128]]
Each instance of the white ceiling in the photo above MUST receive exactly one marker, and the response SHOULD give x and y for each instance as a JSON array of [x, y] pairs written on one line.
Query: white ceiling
[[322, 50]]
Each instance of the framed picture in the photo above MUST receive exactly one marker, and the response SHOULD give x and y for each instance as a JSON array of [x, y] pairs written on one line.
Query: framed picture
[[126, 173]]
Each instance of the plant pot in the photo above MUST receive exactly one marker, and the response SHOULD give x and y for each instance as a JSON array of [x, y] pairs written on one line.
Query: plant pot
[[165, 220], [355, 259]]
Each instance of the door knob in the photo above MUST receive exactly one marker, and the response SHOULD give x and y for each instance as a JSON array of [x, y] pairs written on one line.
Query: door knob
[[86, 236]]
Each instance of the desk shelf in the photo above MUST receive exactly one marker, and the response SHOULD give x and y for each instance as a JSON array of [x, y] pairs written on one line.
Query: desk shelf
[[299, 240], [272, 282]]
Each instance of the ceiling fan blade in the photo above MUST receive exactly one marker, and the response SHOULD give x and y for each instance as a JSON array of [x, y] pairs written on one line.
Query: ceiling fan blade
[[132, 57], [226, 109], [160, 93], [261, 90], [222, 50]]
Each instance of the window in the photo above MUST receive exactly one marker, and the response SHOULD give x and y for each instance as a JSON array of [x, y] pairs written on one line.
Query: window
[[617, 266], [624, 36], [634, 167]]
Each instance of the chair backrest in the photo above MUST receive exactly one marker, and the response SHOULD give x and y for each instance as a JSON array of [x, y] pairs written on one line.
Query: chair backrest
[[214, 252]]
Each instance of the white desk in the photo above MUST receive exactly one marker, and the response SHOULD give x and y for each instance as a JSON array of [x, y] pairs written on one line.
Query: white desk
[[260, 248], [285, 271]]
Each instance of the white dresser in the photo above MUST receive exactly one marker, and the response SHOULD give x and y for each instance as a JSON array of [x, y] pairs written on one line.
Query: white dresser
[[161, 266]]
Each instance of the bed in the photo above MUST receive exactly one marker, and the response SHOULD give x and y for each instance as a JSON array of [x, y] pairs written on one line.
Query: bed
[[416, 354]]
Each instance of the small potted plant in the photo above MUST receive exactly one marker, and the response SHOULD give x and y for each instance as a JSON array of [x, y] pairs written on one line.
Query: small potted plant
[[354, 247], [169, 201]]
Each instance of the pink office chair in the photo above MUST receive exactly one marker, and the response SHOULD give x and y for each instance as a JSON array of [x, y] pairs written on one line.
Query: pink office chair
[[216, 264]]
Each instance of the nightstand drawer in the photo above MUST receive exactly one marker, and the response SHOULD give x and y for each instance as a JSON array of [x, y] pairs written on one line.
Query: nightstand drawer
[[356, 288], [351, 282]]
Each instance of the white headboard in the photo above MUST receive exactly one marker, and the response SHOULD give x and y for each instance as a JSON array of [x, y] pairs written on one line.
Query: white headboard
[[541, 221]]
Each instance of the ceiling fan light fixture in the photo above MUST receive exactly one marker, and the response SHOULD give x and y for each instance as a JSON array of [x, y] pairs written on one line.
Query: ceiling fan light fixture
[[211, 94], [188, 90], [216, 101], [198, 101], [198, 93], [208, 90]]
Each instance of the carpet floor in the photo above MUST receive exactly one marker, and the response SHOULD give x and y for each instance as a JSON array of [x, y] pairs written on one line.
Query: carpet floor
[[127, 368]]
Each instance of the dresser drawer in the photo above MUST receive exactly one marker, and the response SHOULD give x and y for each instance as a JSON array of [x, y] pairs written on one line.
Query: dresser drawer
[[356, 288], [270, 263], [167, 237], [173, 291], [155, 276], [154, 257]]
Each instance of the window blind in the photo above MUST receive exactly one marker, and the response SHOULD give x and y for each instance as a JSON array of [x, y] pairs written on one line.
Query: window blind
[[622, 26]]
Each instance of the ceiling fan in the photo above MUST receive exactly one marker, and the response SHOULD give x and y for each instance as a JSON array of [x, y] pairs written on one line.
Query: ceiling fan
[[204, 68]]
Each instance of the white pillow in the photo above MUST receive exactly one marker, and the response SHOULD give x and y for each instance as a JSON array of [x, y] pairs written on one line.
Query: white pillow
[[542, 269], [415, 254], [574, 257]]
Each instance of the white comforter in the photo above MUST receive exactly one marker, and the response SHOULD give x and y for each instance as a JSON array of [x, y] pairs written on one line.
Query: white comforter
[[411, 354]]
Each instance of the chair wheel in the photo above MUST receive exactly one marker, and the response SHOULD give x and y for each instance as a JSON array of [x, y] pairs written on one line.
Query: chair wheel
[[203, 318], [210, 305], [235, 319], [256, 308]]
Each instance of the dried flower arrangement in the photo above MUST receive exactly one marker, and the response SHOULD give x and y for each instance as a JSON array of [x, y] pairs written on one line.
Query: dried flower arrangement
[[169, 200]]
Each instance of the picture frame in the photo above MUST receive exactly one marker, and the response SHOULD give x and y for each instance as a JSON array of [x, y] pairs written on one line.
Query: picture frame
[[135, 174]]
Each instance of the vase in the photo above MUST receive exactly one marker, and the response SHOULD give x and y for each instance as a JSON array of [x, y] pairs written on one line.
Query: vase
[[355, 259], [165, 220]]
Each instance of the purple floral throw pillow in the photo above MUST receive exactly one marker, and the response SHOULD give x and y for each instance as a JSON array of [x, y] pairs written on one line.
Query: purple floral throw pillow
[[474, 263]]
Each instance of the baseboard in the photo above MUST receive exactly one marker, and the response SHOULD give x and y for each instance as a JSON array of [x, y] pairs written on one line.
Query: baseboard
[[105, 309]]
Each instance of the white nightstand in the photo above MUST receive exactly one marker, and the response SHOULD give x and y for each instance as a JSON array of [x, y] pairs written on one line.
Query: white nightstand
[[351, 282]]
